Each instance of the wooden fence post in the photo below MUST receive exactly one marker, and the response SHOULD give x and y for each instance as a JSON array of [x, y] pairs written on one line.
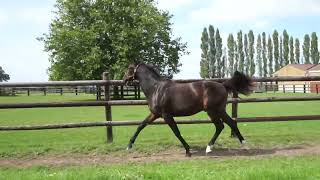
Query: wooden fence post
[[304, 88], [28, 92], [294, 89], [234, 110], [121, 93], [266, 87], [76, 90], [45, 91], [284, 89], [105, 76], [317, 90], [61, 91], [98, 93], [135, 92], [13, 91]]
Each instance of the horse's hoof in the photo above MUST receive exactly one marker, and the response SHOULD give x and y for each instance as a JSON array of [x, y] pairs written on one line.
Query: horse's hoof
[[129, 147], [188, 154], [243, 142], [208, 149]]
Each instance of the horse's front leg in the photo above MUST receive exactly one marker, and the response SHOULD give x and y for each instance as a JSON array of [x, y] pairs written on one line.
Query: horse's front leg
[[144, 123], [173, 125]]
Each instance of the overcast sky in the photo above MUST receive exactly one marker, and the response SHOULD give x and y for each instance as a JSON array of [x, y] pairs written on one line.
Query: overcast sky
[[21, 22]]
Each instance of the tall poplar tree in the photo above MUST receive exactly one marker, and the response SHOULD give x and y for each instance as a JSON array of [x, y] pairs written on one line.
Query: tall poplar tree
[[275, 37], [240, 51], [306, 49], [281, 60], [270, 56], [259, 56], [291, 51], [314, 51], [285, 47], [236, 55], [246, 54], [224, 70], [231, 53], [218, 53], [264, 55], [252, 65], [204, 62], [297, 51], [212, 52]]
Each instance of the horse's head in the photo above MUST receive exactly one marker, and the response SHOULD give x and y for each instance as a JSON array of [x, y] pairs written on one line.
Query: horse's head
[[130, 75], [140, 69]]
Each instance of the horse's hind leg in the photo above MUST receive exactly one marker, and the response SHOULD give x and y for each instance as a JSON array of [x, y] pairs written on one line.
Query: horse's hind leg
[[219, 127], [233, 125], [173, 125], [144, 123]]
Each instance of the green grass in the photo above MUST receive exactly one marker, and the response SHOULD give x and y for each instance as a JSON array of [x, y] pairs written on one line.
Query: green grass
[[152, 138], [304, 167], [16, 144]]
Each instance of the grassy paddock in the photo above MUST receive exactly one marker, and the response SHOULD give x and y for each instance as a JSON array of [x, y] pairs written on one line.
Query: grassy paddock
[[303, 167], [153, 138]]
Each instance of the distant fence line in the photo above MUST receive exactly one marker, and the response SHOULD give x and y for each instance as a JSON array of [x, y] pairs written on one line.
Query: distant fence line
[[107, 103], [117, 92]]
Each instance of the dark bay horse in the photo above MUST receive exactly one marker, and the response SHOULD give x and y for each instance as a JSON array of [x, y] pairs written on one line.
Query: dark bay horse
[[168, 99]]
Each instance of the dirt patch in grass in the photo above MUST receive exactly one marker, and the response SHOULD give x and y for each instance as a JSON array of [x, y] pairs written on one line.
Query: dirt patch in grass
[[164, 156]]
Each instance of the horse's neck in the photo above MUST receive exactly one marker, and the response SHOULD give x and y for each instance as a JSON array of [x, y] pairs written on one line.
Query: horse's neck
[[148, 85]]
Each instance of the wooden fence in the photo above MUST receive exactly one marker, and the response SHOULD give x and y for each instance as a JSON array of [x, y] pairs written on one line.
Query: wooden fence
[[107, 103], [117, 92]]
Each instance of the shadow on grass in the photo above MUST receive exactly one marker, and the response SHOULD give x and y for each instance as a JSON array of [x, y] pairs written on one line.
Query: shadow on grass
[[229, 152]]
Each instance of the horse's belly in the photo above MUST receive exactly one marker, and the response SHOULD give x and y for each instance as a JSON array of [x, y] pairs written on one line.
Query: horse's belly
[[185, 107]]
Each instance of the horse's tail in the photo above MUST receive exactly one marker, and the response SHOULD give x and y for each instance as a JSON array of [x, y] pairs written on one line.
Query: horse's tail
[[239, 83]]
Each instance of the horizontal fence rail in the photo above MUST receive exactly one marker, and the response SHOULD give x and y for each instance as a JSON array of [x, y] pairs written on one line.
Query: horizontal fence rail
[[144, 102], [133, 123], [120, 82]]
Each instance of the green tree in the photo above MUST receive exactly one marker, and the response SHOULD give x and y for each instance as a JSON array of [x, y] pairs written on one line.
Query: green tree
[[270, 56], [231, 53], [297, 51], [218, 53], [240, 51], [87, 38], [204, 62], [291, 51], [264, 55], [212, 52], [246, 54], [252, 66], [314, 51], [306, 49], [224, 70], [259, 56], [275, 37], [281, 61], [285, 47], [3, 75]]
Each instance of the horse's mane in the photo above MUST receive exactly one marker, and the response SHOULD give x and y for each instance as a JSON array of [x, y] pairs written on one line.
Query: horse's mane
[[153, 69]]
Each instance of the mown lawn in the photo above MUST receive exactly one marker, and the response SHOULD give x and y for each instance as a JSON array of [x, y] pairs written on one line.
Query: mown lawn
[[153, 138], [302, 167], [267, 135]]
